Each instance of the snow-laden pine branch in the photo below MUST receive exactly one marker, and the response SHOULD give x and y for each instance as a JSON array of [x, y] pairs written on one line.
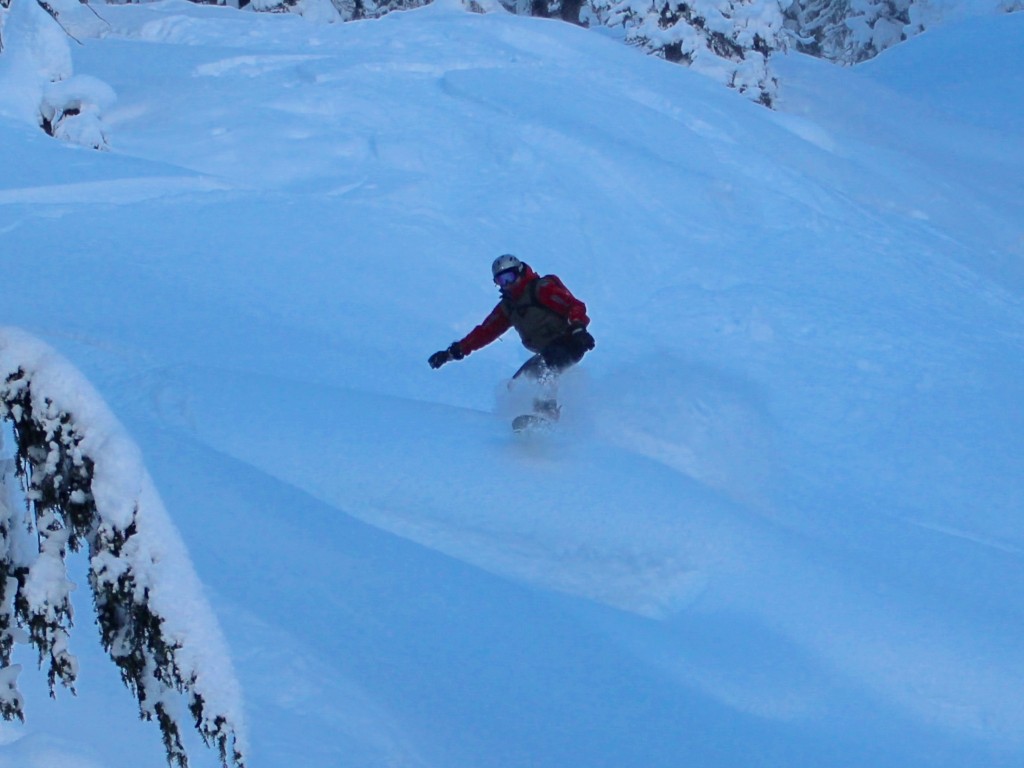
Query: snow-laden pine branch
[[83, 485]]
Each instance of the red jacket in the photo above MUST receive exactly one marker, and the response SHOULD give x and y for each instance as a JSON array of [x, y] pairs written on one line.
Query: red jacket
[[551, 294]]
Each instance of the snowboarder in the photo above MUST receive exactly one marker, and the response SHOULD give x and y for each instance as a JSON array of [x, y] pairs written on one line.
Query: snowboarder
[[551, 322]]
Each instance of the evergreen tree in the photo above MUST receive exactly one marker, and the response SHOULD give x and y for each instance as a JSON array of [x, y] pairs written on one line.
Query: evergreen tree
[[345, 10], [729, 40], [849, 31], [566, 10], [51, 505]]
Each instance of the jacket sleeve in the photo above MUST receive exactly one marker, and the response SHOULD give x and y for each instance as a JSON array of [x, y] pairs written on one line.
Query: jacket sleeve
[[490, 329], [556, 297]]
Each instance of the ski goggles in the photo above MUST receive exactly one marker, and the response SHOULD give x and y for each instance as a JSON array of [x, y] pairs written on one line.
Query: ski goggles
[[506, 277]]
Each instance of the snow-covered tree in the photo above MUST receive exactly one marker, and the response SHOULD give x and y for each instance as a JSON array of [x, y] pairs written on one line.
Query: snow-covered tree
[[729, 40], [566, 10], [849, 31], [334, 10], [76, 482]]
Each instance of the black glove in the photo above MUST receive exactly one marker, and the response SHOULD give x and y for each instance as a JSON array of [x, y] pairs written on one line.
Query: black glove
[[454, 352], [581, 339]]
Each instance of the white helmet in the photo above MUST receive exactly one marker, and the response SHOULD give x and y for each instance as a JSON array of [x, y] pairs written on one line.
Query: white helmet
[[504, 263]]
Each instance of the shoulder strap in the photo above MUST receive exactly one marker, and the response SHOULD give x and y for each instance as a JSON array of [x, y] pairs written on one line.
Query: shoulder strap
[[532, 289]]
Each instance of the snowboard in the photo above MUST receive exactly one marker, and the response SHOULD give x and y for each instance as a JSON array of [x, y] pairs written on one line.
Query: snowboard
[[546, 411], [529, 422]]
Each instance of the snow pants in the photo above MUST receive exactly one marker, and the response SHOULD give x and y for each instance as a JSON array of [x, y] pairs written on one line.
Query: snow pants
[[544, 369], [547, 364]]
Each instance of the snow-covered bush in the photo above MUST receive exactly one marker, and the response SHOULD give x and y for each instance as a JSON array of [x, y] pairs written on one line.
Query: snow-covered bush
[[728, 40], [71, 110], [82, 485]]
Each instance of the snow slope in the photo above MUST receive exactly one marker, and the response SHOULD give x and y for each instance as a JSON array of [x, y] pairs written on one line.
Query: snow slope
[[780, 522]]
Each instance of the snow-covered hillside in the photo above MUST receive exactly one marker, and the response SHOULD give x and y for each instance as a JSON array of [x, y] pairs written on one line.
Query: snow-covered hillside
[[779, 524]]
